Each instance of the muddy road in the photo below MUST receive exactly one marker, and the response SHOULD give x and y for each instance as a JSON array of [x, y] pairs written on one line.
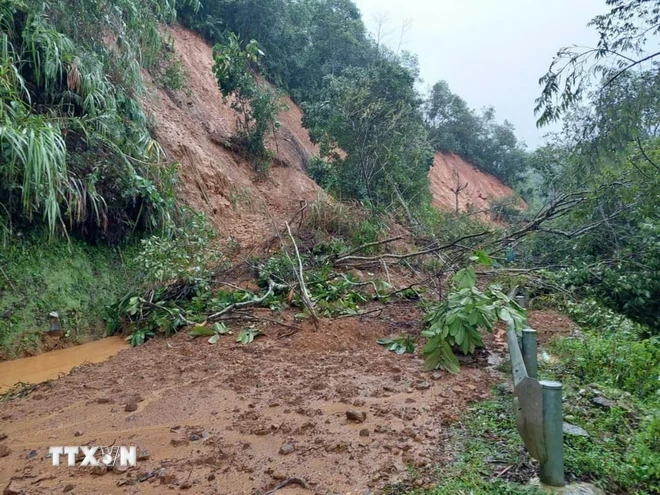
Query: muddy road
[[233, 419]]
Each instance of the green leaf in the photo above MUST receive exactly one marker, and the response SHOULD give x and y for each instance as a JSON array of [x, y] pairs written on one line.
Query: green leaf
[[201, 331], [214, 339], [465, 278]]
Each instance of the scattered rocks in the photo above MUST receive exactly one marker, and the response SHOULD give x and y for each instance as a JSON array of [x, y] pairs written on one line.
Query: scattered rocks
[[603, 402], [287, 448], [356, 416], [131, 407], [99, 470], [13, 489], [364, 432], [575, 431]]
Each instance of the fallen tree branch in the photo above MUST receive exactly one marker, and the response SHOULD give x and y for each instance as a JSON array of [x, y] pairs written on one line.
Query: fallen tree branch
[[301, 280], [287, 482], [271, 289], [400, 257], [370, 244]]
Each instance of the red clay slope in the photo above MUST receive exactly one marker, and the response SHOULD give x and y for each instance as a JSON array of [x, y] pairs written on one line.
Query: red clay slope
[[194, 127], [449, 169]]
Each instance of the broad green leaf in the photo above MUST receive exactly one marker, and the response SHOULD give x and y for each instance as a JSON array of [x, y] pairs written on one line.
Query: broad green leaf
[[201, 331]]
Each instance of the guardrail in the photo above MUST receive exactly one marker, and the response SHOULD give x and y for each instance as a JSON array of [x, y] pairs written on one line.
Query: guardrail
[[538, 408]]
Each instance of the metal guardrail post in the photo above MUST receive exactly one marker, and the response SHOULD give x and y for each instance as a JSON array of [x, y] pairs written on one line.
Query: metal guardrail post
[[552, 470], [529, 352]]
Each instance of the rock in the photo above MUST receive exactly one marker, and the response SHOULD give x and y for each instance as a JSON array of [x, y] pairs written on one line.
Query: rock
[[364, 432], [79, 433], [603, 402], [210, 477], [32, 454], [68, 488], [357, 416], [423, 385], [13, 489], [178, 442], [194, 438], [186, 485], [143, 455], [287, 448], [575, 431], [99, 470], [437, 375], [104, 400], [4, 451], [131, 407], [574, 489], [3, 436]]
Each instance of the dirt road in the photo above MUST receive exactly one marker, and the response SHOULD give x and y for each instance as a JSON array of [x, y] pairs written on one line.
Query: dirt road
[[233, 419]]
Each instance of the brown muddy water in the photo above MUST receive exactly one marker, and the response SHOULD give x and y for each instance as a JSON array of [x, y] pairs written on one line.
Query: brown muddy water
[[53, 364]]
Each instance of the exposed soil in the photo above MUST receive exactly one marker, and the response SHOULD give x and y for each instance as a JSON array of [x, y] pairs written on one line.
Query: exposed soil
[[449, 169], [234, 419]]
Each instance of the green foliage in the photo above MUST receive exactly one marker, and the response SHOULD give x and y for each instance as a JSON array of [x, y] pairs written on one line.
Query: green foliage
[[75, 148], [72, 278], [188, 255], [247, 335], [213, 333], [400, 345], [460, 319], [478, 138], [611, 357], [372, 115], [256, 104]]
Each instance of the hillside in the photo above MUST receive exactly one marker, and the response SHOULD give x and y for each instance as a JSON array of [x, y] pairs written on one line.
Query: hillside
[[449, 169], [194, 128]]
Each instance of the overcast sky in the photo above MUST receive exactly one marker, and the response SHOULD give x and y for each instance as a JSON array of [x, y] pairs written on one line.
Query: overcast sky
[[491, 52]]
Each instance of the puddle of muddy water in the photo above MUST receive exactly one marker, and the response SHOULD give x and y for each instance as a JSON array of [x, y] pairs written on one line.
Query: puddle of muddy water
[[51, 365]]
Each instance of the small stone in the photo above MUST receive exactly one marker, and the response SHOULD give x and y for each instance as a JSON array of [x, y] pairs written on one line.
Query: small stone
[[287, 449], [357, 416], [143, 455], [575, 431], [4, 451], [210, 477], [423, 385], [119, 469], [178, 442], [78, 433], [13, 489], [32, 454], [131, 407], [3, 436], [104, 400], [603, 402], [68, 488], [99, 470], [194, 438], [437, 375], [364, 432], [186, 485]]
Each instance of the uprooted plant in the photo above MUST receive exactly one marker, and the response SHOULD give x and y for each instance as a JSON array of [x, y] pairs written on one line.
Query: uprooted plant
[[460, 320]]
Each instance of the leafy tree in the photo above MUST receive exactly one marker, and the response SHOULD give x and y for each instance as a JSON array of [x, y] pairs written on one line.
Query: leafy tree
[[456, 128], [256, 104], [370, 128]]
